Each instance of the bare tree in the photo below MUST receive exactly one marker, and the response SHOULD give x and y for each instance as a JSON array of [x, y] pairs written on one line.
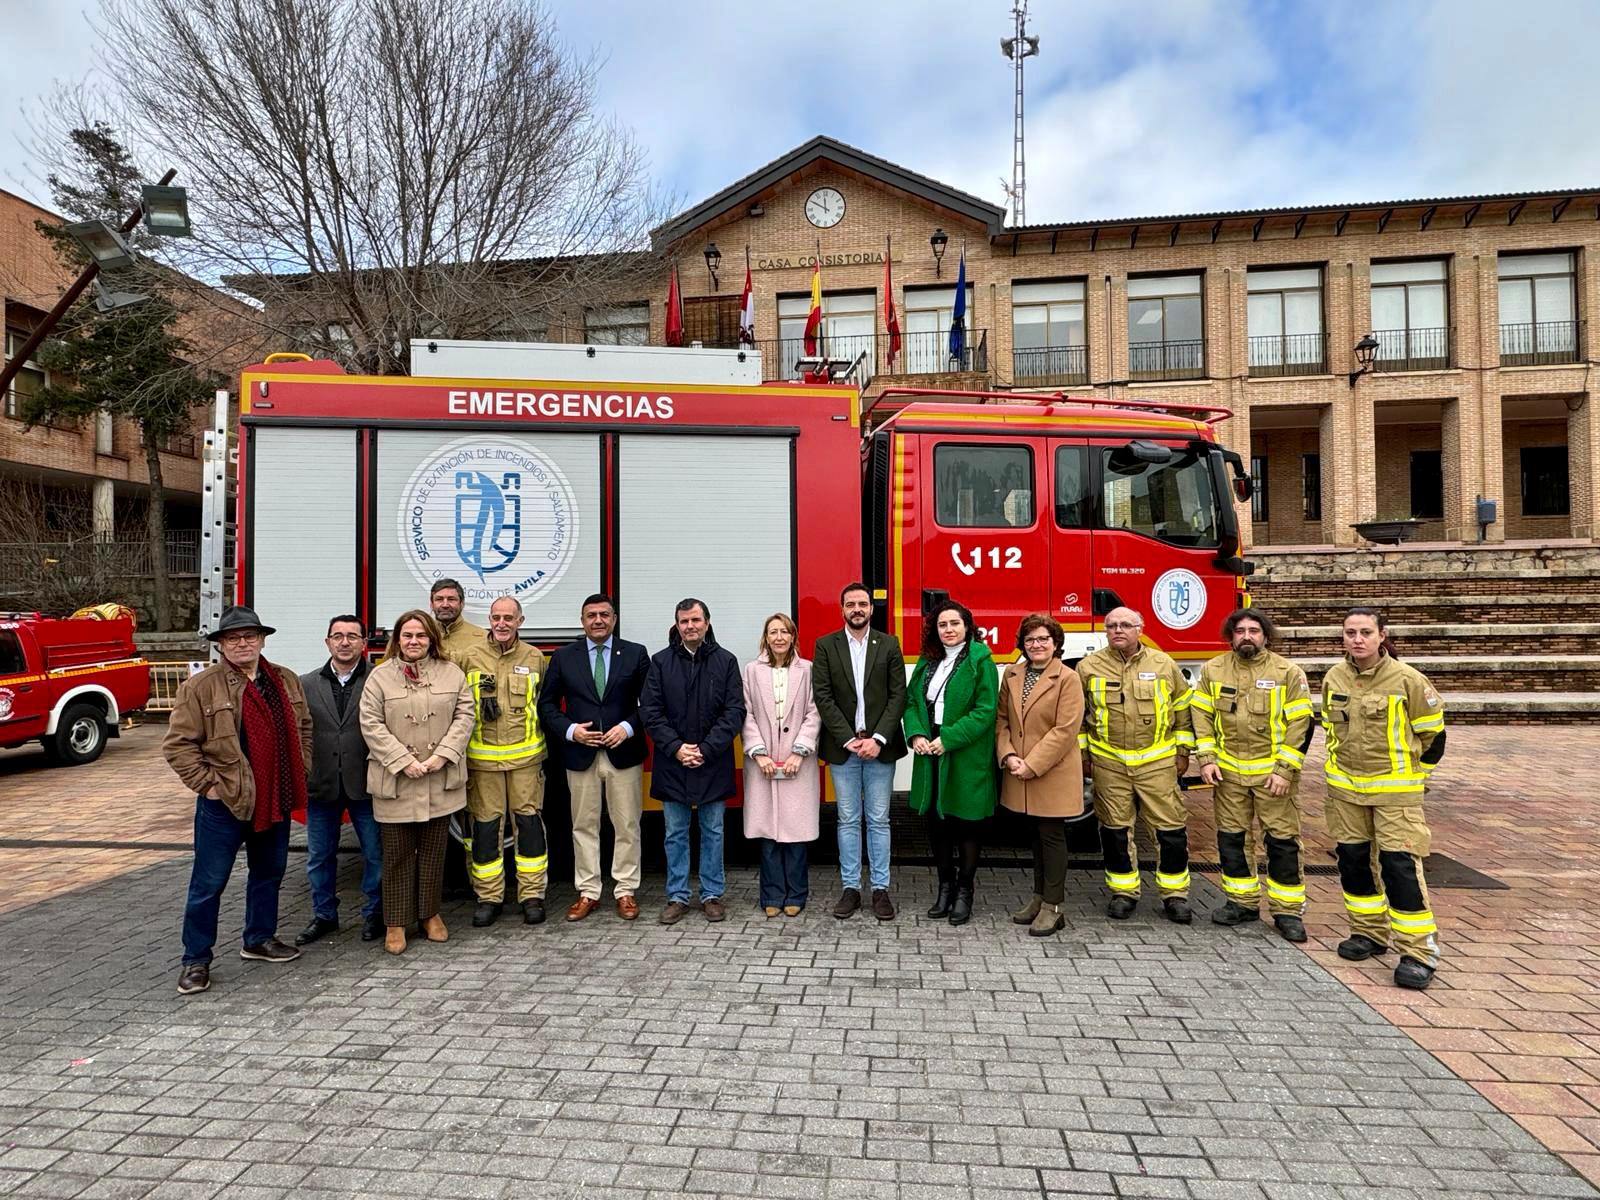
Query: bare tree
[[377, 170], [51, 562]]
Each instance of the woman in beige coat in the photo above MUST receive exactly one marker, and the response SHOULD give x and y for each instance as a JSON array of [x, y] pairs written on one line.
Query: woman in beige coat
[[1036, 739], [416, 717]]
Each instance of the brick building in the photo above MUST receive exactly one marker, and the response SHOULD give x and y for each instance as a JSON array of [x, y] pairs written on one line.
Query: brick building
[[1482, 385]]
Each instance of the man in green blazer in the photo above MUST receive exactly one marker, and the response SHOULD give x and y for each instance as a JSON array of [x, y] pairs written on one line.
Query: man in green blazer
[[859, 680]]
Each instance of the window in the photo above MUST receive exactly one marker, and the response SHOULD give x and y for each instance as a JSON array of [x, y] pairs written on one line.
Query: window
[[983, 487], [1171, 501], [713, 321], [624, 325], [1427, 484], [1311, 486], [1047, 333], [1285, 320], [1258, 481], [1544, 481], [11, 660], [1074, 497], [1411, 315], [1538, 309], [28, 382], [1164, 328], [849, 321], [926, 338], [520, 329]]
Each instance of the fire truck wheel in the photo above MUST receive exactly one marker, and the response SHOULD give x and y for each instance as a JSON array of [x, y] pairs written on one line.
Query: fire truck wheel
[[80, 737]]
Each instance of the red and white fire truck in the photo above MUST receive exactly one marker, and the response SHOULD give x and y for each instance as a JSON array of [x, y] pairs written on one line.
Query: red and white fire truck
[[67, 682], [550, 472]]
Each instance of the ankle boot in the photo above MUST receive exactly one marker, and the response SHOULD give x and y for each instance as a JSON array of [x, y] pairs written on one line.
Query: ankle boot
[[942, 902], [1030, 910], [961, 910]]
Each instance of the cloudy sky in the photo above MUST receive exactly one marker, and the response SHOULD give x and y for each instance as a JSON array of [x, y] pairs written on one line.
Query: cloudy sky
[[1163, 106]]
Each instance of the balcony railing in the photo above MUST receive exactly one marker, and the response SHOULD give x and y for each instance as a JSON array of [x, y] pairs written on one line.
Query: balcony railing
[[94, 555], [927, 352], [1067, 365], [1166, 360], [1413, 349], [1538, 344], [1288, 354], [921, 353]]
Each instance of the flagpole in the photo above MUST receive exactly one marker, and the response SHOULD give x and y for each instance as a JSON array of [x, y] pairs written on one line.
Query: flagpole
[[822, 337]]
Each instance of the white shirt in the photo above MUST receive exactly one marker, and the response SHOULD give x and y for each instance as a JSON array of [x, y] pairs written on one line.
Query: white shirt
[[858, 668], [941, 679]]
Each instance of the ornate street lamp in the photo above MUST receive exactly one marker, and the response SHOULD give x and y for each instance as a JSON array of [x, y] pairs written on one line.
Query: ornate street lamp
[[1366, 356], [938, 241], [713, 261]]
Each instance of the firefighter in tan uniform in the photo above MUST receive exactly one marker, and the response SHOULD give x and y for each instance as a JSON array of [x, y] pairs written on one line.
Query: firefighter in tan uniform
[[1137, 736], [1252, 723], [1385, 731], [460, 635], [505, 768]]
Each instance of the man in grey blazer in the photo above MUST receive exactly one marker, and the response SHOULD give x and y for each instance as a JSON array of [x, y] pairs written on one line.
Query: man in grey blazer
[[337, 783]]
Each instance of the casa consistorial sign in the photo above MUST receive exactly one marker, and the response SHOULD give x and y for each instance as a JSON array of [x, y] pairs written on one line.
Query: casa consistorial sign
[[789, 261]]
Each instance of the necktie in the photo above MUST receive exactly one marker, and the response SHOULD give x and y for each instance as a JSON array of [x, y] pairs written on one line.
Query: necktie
[[600, 671]]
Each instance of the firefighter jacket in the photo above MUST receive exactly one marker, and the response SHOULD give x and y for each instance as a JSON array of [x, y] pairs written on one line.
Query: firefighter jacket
[[505, 733], [1385, 731], [1252, 717], [459, 637], [1135, 711]]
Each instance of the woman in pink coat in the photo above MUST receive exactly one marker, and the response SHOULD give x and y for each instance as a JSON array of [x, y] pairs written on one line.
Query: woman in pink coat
[[782, 782]]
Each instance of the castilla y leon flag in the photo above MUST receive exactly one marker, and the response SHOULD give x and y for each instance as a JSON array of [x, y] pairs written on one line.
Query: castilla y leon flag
[[814, 317], [891, 319], [674, 311], [747, 306]]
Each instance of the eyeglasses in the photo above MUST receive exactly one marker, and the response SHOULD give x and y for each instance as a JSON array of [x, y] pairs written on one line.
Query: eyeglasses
[[344, 637], [1119, 626], [1038, 641]]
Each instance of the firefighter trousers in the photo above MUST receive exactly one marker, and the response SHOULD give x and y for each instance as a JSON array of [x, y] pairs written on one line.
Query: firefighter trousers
[[1380, 850], [490, 795], [1237, 807], [1118, 800]]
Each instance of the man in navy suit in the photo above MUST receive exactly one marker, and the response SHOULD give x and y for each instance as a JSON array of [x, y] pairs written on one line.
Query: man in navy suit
[[589, 707]]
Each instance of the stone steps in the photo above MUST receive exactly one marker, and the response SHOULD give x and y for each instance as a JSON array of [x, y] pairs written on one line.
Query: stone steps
[[1478, 638], [1492, 673], [1400, 607]]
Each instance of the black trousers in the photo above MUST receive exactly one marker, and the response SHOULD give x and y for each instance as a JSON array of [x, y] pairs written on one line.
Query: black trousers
[[1050, 859]]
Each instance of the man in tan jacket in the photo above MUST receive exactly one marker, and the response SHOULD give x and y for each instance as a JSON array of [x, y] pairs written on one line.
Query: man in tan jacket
[[446, 599], [240, 739]]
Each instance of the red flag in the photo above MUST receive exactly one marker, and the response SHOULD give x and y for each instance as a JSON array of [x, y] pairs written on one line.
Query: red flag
[[891, 319], [747, 306], [814, 317], [674, 311]]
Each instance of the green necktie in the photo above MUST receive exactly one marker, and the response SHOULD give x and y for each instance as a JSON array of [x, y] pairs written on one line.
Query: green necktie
[[600, 671]]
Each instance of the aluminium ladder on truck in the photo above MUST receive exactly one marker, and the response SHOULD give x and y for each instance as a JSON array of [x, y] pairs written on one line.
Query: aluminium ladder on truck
[[219, 495]]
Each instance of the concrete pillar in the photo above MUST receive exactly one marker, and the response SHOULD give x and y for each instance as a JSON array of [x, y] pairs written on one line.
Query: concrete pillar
[[1583, 466], [104, 511], [1459, 517], [103, 433]]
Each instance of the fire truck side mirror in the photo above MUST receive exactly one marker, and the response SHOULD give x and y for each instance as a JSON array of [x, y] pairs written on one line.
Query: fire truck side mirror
[[1244, 487], [1150, 452]]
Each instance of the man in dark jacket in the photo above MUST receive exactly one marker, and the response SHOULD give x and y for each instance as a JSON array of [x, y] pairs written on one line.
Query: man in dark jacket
[[693, 707], [337, 783], [589, 708]]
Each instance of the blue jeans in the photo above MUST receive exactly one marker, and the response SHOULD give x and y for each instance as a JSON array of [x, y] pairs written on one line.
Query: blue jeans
[[322, 846], [678, 816], [218, 834], [785, 874], [872, 778]]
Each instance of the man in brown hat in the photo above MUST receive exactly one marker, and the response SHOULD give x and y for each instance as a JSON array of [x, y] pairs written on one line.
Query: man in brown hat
[[240, 739]]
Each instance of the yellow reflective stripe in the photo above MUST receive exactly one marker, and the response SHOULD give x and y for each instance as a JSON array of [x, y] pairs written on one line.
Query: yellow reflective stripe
[[1198, 699], [1220, 729], [1245, 766], [1297, 708], [1124, 882], [1102, 718], [1183, 738], [1083, 741], [1426, 724], [1130, 757], [1184, 700], [534, 864], [1163, 711], [1374, 784], [1205, 745], [1414, 922], [1235, 886], [1285, 891], [1277, 723], [1291, 757], [532, 742], [484, 752], [1426, 768], [488, 870], [1173, 881], [1367, 905], [1399, 745]]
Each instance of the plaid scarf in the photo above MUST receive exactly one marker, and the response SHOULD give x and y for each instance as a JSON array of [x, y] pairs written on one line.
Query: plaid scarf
[[272, 748]]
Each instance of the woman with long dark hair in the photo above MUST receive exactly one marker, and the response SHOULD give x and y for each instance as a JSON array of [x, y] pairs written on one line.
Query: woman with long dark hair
[[1385, 732], [950, 721]]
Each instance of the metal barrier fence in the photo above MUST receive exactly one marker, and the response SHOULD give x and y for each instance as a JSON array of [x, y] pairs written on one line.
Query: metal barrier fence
[[165, 678]]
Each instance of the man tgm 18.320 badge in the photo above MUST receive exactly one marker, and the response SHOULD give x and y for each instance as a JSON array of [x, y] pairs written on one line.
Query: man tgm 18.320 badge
[[1178, 598], [492, 512]]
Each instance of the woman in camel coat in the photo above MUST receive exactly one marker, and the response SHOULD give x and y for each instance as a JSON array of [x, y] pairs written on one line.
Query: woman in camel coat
[[1036, 740], [782, 782]]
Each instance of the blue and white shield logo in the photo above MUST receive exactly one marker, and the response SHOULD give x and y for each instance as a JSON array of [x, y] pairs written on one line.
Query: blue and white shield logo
[[1178, 598], [488, 520]]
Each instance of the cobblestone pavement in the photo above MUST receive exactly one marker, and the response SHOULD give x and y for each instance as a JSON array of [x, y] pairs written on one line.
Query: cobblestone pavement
[[753, 1058]]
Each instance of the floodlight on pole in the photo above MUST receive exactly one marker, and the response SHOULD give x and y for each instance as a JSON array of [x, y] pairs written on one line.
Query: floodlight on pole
[[103, 244], [166, 210], [107, 301]]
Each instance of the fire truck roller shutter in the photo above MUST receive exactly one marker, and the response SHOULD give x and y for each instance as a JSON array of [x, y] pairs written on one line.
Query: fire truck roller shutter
[[504, 512], [304, 539], [709, 517]]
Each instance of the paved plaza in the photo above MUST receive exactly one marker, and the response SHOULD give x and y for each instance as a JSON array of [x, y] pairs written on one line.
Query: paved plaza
[[807, 1057]]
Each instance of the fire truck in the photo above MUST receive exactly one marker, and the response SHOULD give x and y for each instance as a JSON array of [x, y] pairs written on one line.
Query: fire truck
[[67, 682], [550, 472]]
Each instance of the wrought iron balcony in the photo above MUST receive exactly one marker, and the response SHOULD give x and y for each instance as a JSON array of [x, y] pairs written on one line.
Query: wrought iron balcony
[[1282, 354], [927, 352], [1166, 360], [1063, 365], [1413, 349], [1542, 343]]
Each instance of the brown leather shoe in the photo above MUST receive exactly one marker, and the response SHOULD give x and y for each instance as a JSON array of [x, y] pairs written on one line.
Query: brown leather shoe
[[882, 906], [434, 929], [849, 903], [582, 907], [675, 911], [714, 909], [627, 908]]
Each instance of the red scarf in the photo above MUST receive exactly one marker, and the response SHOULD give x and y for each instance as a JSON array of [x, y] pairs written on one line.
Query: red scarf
[[272, 747]]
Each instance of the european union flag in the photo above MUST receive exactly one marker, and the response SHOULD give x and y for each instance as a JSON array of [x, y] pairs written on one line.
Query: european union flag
[[958, 314]]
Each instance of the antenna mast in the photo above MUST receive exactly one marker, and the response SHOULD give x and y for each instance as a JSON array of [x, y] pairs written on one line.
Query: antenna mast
[[1019, 46]]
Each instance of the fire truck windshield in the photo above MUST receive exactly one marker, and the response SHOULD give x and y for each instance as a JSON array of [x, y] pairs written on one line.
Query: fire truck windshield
[[1172, 501]]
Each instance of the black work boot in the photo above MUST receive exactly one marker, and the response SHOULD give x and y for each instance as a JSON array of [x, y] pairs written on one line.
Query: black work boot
[[1176, 909], [1409, 973], [533, 911], [485, 914], [942, 902], [1233, 913], [1120, 908], [961, 908], [1358, 947], [1291, 927]]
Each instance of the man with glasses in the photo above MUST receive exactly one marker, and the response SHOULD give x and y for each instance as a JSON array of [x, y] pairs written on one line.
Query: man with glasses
[[1137, 734], [338, 783]]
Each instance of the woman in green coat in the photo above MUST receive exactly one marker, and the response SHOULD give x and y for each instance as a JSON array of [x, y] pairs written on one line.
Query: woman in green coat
[[950, 714]]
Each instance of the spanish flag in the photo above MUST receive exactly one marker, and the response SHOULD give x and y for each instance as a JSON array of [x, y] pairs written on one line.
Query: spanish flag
[[814, 317]]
